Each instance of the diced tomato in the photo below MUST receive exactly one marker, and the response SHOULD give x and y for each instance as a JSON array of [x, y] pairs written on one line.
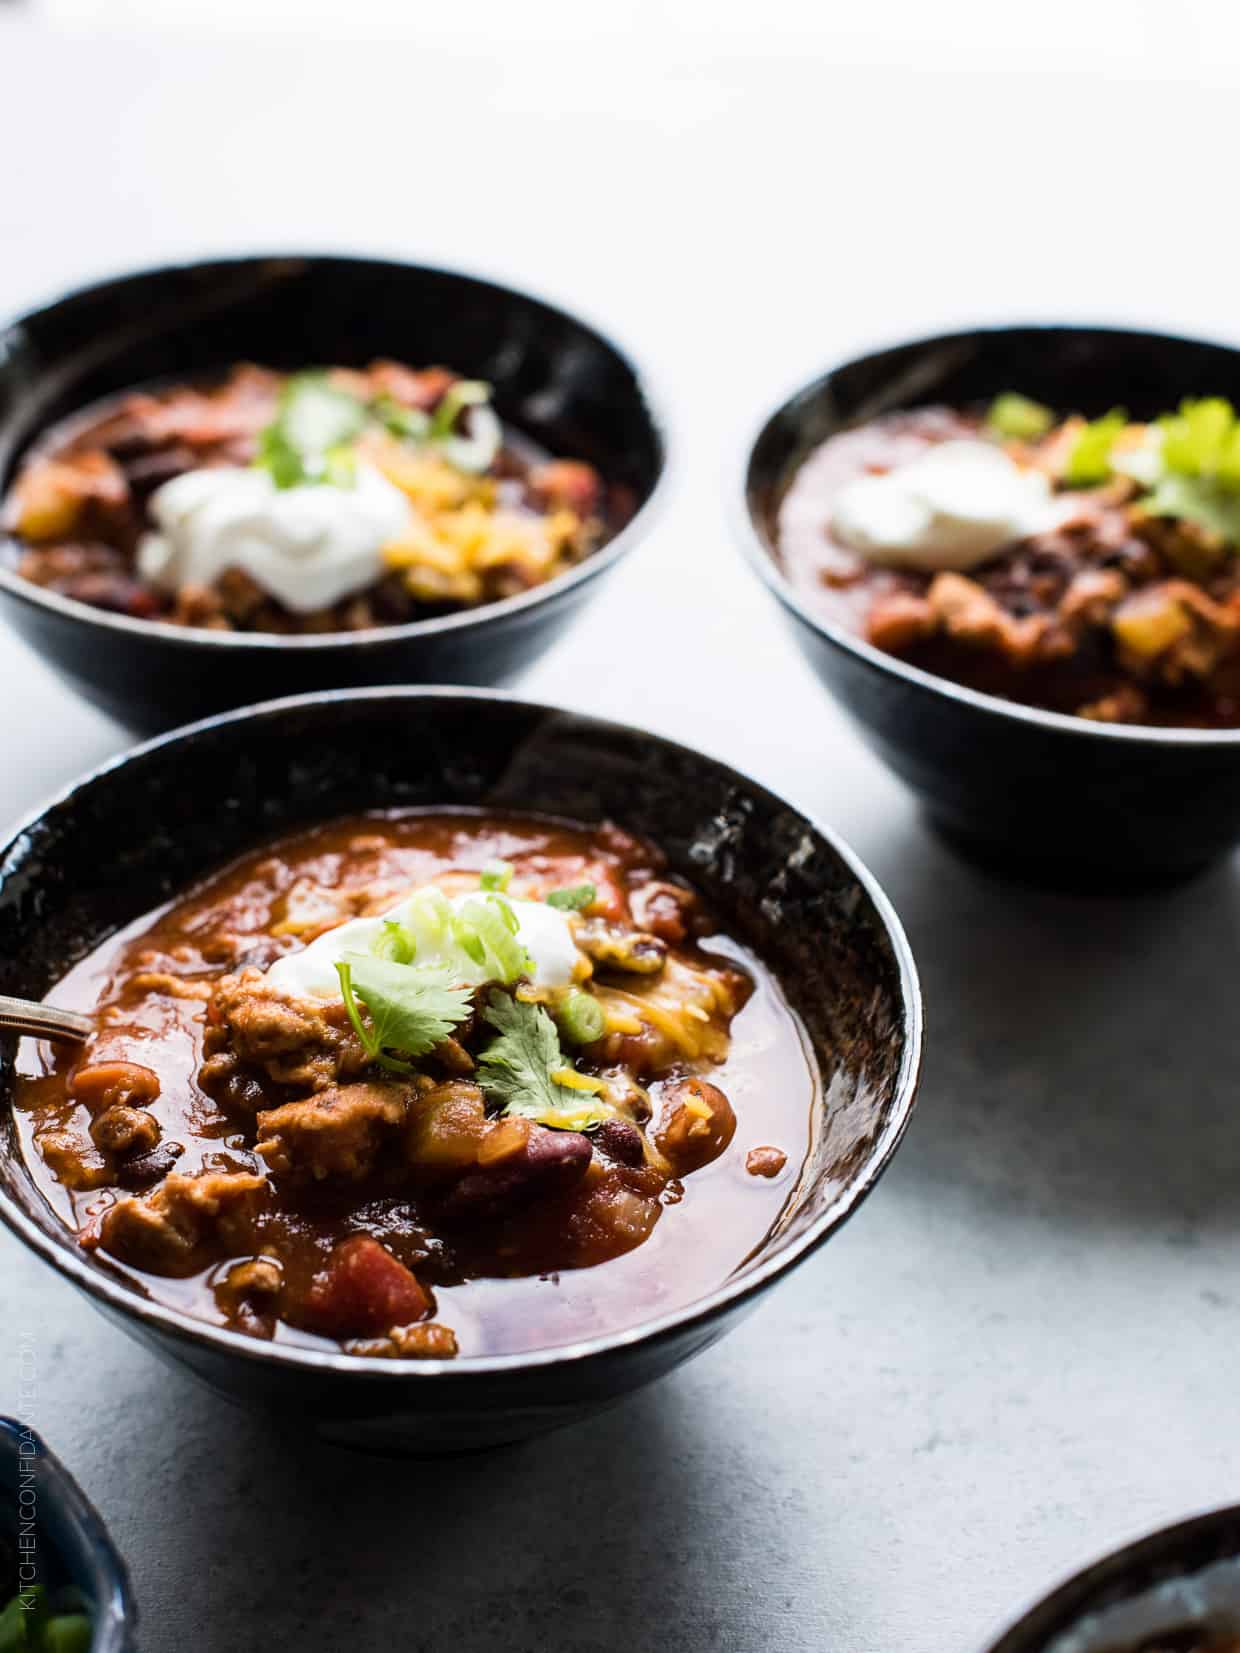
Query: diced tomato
[[364, 1291], [567, 482], [609, 898]]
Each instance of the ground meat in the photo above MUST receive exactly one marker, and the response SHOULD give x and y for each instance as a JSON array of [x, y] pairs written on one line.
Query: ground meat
[[255, 1277], [335, 1134], [198, 420], [427, 1341], [75, 1163], [900, 619], [249, 1295], [968, 613], [183, 1222], [1092, 595], [295, 1042], [176, 987]]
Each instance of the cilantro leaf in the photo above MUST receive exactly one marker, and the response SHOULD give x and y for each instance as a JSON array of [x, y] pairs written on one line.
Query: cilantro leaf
[[572, 899], [516, 1069], [310, 439], [411, 1007], [1090, 459]]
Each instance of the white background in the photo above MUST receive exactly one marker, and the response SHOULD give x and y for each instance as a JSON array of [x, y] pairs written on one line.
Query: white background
[[1024, 1348]]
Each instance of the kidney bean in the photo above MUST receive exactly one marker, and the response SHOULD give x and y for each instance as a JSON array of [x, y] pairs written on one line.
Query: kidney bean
[[145, 1170], [765, 1162], [696, 1124], [549, 1162]]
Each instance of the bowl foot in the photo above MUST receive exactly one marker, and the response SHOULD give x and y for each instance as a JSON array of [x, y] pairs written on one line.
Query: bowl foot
[[1043, 869]]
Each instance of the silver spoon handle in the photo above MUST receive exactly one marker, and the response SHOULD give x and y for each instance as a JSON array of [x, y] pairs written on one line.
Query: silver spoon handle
[[44, 1021]]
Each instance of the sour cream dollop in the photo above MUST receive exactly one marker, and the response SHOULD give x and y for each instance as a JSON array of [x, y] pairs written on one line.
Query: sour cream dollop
[[951, 509], [543, 931], [308, 546]]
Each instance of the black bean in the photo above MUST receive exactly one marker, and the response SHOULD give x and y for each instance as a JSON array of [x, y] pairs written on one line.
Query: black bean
[[144, 1170], [621, 1141]]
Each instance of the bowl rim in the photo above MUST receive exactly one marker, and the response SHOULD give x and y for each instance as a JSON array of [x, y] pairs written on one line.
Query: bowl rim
[[373, 637], [762, 560], [1062, 1607], [115, 1611], [59, 1249]]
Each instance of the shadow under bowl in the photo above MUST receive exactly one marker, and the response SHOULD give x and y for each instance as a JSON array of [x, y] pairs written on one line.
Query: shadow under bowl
[[1058, 799], [77, 872], [555, 379], [69, 1544], [1177, 1588]]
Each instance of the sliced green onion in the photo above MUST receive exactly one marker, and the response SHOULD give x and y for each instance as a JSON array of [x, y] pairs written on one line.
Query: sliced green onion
[[496, 875], [394, 943], [13, 1627], [410, 424], [573, 899], [1090, 459], [465, 393], [580, 1017], [466, 936], [67, 1633], [1015, 416]]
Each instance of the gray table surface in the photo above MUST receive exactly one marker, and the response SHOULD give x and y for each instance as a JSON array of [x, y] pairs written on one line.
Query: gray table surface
[[1023, 1349]]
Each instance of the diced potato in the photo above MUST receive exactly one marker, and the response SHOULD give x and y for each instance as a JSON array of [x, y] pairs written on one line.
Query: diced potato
[[51, 495], [447, 1127], [504, 1140], [1148, 623]]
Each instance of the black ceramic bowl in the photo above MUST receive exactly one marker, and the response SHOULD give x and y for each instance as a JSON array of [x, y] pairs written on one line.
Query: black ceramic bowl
[[1178, 1588], [78, 871], [70, 1543], [1055, 797], [555, 379]]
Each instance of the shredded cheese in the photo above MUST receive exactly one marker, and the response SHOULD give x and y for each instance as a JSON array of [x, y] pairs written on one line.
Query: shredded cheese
[[574, 1081]]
